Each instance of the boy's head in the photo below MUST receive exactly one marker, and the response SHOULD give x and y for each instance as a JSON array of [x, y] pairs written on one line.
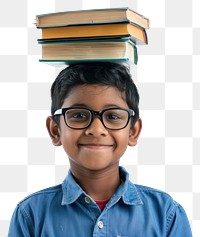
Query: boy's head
[[95, 73], [97, 101]]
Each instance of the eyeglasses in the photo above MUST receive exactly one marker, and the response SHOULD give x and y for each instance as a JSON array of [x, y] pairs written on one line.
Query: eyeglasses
[[80, 118]]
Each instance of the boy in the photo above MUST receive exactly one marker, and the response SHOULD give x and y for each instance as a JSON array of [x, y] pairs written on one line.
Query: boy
[[95, 116]]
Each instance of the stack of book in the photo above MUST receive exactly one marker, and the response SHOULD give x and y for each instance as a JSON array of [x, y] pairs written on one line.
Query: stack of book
[[100, 34]]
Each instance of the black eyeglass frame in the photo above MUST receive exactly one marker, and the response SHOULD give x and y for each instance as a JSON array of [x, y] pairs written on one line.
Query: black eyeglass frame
[[99, 114]]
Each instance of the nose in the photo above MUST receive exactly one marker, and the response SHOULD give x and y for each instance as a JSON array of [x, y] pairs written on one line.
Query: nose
[[96, 128]]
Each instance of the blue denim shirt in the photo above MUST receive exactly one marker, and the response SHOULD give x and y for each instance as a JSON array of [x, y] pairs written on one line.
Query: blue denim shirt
[[67, 211]]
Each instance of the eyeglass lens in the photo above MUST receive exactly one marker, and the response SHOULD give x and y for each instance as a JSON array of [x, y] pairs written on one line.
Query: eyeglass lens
[[111, 118]]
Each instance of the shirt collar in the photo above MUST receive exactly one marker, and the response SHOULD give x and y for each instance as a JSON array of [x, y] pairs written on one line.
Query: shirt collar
[[127, 190], [71, 190]]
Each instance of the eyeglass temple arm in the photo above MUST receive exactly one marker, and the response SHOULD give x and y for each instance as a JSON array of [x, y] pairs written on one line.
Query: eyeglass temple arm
[[58, 112], [132, 112]]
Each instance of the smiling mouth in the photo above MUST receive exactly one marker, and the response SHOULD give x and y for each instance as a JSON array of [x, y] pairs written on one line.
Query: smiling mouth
[[95, 146]]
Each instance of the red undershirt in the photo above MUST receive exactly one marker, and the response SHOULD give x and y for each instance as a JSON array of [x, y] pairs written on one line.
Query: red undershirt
[[102, 204]]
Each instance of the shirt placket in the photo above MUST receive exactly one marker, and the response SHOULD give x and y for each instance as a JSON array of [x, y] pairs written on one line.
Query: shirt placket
[[100, 227]]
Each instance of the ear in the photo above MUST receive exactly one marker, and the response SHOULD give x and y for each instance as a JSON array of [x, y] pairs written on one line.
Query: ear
[[135, 133], [54, 131]]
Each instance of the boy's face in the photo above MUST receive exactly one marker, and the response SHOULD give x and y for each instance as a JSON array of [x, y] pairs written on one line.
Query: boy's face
[[94, 147]]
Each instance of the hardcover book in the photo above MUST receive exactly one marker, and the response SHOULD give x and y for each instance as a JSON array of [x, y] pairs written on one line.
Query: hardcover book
[[138, 34], [93, 16], [89, 50]]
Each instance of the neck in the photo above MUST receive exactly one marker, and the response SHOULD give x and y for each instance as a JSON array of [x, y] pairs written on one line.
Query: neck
[[99, 185]]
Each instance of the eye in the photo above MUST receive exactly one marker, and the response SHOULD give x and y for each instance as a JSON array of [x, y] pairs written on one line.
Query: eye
[[113, 116], [77, 116]]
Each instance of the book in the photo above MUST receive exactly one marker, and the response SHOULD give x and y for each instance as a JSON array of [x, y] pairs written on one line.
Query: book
[[137, 34], [92, 16], [119, 49]]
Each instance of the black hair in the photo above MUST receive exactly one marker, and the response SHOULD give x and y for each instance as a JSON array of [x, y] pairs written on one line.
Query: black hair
[[100, 73]]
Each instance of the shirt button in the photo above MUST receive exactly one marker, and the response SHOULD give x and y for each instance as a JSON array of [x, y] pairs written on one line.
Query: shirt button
[[100, 224], [87, 200]]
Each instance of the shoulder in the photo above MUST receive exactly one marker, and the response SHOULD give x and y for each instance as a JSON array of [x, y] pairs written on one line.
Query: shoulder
[[157, 201], [152, 195], [148, 191], [33, 209], [42, 197], [160, 204]]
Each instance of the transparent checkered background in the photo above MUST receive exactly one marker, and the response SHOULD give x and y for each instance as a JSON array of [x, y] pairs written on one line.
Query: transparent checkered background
[[168, 77]]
